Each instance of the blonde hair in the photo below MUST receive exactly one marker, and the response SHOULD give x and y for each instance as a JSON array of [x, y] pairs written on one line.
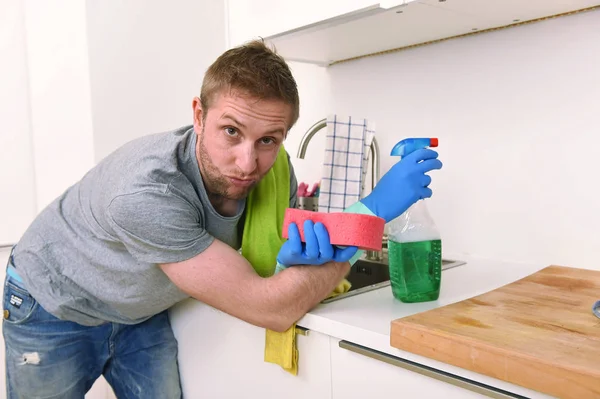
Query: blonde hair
[[255, 69]]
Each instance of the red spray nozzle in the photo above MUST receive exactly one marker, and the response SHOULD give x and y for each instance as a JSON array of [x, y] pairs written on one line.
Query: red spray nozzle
[[409, 145]]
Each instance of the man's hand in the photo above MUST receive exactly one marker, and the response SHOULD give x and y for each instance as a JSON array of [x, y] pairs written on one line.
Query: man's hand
[[316, 251], [403, 185]]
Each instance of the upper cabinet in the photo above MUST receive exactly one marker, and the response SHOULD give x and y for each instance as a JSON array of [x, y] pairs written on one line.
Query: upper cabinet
[[249, 19], [329, 31]]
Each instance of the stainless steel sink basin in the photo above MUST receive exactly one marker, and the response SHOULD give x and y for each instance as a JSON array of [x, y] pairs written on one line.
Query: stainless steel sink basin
[[367, 275]]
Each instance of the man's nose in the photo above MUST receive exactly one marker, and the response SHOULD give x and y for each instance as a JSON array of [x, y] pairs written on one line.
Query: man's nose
[[247, 159]]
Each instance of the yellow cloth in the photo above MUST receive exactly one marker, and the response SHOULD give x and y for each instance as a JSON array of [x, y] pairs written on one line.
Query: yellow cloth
[[281, 348], [342, 287], [261, 241]]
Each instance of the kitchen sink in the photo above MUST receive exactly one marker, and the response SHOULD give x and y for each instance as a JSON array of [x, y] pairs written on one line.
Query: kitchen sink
[[367, 275]]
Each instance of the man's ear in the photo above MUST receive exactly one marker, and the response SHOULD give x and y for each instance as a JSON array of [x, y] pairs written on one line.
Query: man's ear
[[198, 113]]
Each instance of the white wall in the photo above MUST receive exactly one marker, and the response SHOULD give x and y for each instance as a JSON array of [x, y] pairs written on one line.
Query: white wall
[[82, 78], [46, 111], [17, 186], [147, 61], [315, 102], [60, 95], [516, 112]]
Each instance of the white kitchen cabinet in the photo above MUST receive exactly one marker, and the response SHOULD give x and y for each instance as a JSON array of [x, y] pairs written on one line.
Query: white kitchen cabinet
[[249, 19], [359, 372], [325, 34], [222, 357]]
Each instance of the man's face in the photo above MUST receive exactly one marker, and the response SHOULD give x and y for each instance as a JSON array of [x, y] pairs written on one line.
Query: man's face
[[238, 141]]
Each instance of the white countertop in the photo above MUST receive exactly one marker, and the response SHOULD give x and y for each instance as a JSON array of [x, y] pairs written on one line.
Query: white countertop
[[365, 319]]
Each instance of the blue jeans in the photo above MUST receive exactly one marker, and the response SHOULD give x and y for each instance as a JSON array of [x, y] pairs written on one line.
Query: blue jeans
[[56, 359]]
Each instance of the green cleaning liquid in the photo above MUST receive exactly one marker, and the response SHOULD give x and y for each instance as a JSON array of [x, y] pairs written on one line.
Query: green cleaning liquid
[[415, 270]]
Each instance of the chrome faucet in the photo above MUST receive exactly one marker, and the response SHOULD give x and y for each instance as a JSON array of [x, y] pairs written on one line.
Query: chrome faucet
[[374, 151]]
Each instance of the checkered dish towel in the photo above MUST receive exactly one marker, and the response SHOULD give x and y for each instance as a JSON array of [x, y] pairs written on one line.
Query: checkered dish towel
[[345, 165]]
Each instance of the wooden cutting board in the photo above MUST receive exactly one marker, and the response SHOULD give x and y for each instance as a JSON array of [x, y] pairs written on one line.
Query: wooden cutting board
[[538, 332]]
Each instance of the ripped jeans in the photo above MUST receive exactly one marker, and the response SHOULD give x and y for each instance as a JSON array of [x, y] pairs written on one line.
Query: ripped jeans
[[55, 359]]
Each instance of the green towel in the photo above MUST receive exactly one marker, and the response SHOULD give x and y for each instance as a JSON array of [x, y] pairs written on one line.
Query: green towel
[[265, 211]]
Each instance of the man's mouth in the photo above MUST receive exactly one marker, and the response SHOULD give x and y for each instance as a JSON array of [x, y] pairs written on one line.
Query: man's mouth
[[241, 182]]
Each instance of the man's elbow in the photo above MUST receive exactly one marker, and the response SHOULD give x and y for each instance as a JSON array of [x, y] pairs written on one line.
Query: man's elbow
[[281, 321], [279, 324], [283, 311]]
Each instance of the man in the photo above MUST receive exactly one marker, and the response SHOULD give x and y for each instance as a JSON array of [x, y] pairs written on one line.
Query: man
[[159, 220]]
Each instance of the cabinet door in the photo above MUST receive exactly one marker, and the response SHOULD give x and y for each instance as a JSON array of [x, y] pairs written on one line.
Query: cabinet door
[[358, 375], [222, 357], [251, 19]]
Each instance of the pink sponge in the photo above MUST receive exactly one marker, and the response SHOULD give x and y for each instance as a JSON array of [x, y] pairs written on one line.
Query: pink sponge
[[346, 229]]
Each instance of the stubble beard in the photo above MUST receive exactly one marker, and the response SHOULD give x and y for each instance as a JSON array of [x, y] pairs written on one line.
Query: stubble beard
[[216, 184]]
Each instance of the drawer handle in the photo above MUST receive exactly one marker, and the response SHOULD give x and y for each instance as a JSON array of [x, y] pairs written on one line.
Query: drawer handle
[[302, 331], [440, 375]]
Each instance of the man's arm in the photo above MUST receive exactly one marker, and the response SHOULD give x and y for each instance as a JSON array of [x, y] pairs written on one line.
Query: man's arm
[[223, 279]]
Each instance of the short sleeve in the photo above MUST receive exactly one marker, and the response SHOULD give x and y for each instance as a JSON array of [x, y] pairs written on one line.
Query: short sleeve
[[158, 227]]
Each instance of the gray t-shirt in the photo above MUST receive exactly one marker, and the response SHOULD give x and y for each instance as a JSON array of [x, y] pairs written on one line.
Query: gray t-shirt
[[91, 256]]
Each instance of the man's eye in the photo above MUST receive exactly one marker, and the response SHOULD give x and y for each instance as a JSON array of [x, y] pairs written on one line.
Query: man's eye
[[267, 140], [231, 131]]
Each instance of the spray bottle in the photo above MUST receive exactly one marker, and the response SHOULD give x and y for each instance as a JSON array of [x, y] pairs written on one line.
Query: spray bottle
[[414, 244]]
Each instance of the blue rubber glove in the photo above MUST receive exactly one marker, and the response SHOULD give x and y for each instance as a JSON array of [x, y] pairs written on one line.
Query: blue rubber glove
[[403, 185], [315, 251]]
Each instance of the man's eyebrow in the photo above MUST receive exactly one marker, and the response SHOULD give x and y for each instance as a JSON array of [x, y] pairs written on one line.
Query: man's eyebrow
[[240, 124], [235, 121], [276, 130]]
